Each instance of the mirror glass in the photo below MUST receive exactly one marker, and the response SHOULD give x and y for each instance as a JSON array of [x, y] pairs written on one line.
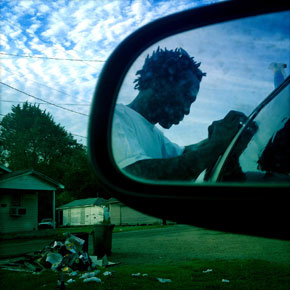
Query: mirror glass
[[189, 97], [261, 152]]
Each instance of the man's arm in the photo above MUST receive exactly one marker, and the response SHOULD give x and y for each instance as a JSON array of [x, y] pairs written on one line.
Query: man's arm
[[195, 158], [196, 146], [187, 166]]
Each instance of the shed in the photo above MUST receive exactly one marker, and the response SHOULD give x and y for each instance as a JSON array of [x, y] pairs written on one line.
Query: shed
[[121, 214], [19, 194], [88, 211]]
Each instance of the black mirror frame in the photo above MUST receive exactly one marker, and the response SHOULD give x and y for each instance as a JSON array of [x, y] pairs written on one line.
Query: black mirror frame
[[216, 206]]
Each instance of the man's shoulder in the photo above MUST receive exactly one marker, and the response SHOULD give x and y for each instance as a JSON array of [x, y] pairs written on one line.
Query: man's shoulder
[[128, 114], [120, 107], [124, 109]]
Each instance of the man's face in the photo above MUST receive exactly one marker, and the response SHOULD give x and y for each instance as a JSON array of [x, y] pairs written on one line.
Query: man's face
[[178, 101]]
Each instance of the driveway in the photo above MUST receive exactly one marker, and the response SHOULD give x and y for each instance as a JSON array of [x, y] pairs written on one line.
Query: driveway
[[173, 244]]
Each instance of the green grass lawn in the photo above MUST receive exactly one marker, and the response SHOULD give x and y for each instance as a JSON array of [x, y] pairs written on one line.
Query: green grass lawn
[[242, 274]]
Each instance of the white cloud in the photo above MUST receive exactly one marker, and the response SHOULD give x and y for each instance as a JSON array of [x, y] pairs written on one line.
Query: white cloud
[[42, 8], [68, 29], [4, 41]]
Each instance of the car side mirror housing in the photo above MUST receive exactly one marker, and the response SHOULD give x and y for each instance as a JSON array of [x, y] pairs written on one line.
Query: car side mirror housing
[[259, 208]]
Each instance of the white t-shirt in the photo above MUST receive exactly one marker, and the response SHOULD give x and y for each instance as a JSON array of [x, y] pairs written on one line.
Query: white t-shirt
[[134, 138]]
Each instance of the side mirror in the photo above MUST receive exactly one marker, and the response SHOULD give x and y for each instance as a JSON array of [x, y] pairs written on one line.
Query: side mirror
[[222, 201]]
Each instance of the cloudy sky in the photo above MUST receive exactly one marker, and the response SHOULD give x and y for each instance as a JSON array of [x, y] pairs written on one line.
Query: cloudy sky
[[53, 51], [236, 56]]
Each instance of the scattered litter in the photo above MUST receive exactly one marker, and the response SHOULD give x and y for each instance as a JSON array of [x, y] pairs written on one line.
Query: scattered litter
[[107, 273], [225, 281], [21, 264], [136, 275], [65, 255], [145, 275], [75, 273], [30, 266], [162, 280], [90, 274], [73, 243], [36, 273], [207, 271], [70, 281], [92, 279], [102, 262], [105, 261]]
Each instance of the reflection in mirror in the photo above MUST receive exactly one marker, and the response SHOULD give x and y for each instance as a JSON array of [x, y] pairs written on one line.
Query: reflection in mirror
[[262, 152], [185, 99]]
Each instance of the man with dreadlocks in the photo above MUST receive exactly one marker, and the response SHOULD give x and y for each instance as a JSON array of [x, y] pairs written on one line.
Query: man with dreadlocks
[[168, 84]]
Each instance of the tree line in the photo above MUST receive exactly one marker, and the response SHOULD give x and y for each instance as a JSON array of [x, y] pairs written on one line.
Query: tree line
[[31, 139]]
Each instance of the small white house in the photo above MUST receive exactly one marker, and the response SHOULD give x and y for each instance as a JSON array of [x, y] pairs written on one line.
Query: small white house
[[19, 194], [89, 211]]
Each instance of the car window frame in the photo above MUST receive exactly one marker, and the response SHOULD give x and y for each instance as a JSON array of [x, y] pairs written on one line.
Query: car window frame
[[216, 173]]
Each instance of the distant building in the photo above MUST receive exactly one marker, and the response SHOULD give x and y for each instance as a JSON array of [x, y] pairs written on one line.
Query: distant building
[[89, 211], [19, 193], [121, 214]]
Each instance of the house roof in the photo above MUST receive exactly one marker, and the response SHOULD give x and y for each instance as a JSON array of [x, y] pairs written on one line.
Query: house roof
[[8, 179], [84, 202]]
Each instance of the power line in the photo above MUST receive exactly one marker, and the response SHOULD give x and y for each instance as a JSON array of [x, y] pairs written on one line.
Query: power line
[[53, 58], [21, 102], [38, 82], [42, 100], [21, 29], [79, 136]]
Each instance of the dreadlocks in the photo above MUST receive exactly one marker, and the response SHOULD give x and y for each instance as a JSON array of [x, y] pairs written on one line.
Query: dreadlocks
[[164, 67]]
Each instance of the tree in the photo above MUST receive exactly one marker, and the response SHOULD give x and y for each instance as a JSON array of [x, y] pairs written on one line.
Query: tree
[[31, 139]]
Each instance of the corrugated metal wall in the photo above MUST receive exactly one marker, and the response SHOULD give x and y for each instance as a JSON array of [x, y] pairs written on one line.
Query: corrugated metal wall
[[90, 215]]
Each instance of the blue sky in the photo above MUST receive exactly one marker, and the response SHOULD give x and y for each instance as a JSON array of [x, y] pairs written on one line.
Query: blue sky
[[235, 57], [80, 30]]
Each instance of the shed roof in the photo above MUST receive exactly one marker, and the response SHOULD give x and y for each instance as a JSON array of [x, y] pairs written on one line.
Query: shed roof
[[9, 180], [113, 200], [84, 202]]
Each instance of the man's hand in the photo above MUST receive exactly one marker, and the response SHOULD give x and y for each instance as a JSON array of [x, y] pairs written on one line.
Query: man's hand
[[221, 132]]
